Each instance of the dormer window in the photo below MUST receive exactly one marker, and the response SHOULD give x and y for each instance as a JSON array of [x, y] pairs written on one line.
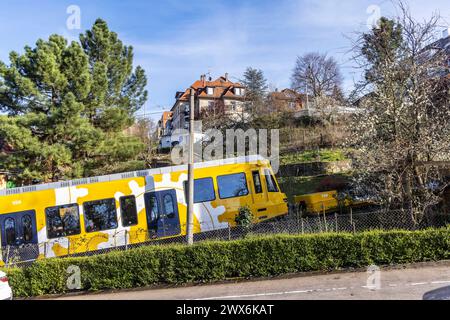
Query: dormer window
[[239, 91], [210, 91]]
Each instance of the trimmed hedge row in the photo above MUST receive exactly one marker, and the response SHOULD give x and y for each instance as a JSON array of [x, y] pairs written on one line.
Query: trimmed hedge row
[[250, 257]]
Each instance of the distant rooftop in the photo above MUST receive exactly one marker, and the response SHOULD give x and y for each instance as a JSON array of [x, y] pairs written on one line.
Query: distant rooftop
[[223, 88]]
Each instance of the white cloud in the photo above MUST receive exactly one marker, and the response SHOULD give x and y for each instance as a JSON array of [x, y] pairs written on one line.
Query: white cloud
[[230, 37]]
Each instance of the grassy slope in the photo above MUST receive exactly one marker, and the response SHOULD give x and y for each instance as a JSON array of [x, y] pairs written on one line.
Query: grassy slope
[[324, 155]]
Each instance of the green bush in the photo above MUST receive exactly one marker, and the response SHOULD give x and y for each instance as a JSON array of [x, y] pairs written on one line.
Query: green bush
[[19, 281], [244, 217], [246, 258]]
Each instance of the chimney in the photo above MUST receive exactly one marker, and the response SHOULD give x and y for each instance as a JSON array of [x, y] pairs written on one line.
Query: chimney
[[226, 77], [446, 33], [203, 78]]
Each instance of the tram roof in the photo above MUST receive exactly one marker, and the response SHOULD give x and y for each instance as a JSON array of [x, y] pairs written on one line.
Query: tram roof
[[128, 175]]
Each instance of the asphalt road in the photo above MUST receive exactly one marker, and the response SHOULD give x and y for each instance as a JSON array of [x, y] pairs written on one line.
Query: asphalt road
[[403, 282]]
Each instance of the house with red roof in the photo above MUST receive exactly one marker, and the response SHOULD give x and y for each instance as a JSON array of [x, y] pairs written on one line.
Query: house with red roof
[[164, 124], [209, 95], [286, 100]]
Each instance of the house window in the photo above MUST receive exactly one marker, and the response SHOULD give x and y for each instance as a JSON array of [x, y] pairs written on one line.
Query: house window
[[100, 215], [210, 91], [239, 91], [128, 211], [62, 221], [232, 185]]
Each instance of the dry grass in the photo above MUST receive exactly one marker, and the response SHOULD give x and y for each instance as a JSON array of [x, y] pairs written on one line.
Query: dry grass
[[313, 137]]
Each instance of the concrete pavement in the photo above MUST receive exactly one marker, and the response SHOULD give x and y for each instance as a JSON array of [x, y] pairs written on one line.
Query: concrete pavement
[[403, 282]]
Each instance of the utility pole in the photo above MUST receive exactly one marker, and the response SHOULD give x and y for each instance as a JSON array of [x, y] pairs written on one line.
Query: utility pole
[[307, 98], [190, 204]]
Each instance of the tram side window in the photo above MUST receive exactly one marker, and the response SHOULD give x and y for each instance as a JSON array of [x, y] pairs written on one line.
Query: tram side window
[[270, 180], [100, 215], [203, 190], [232, 185], [154, 209], [257, 182], [128, 211], [169, 207], [10, 231], [62, 221], [27, 226]]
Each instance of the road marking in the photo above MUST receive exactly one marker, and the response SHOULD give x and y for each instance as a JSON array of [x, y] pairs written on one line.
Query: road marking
[[441, 282], [253, 295], [316, 290], [271, 294], [419, 283]]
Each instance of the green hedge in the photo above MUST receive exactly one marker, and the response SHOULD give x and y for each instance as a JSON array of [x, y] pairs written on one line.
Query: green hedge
[[250, 257]]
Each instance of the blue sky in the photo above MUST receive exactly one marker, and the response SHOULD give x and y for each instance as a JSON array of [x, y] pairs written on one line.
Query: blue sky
[[176, 41]]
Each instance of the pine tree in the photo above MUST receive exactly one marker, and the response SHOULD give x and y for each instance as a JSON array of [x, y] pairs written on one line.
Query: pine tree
[[255, 83], [255, 92], [381, 46], [67, 105]]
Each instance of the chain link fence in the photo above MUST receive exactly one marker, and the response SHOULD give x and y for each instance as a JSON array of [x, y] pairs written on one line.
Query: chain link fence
[[294, 223]]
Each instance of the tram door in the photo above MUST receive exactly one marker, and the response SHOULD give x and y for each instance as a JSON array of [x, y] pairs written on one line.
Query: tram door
[[162, 213], [19, 236], [260, 197]]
